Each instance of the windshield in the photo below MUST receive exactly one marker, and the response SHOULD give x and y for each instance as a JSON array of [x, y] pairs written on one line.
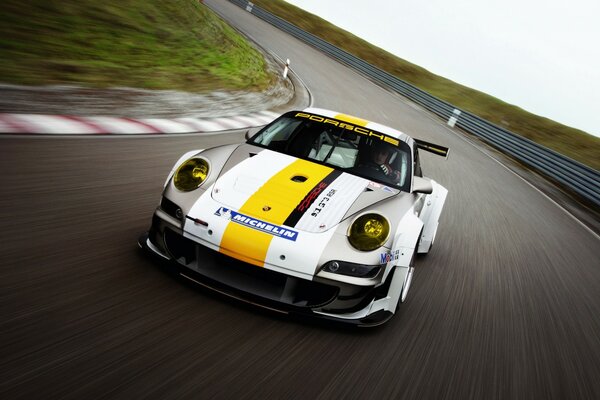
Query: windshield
[[340, 145]]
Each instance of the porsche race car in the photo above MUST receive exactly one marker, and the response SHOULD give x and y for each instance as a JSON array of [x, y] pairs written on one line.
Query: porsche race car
[[318, 213]]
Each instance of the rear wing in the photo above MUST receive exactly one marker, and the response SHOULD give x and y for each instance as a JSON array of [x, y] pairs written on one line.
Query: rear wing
[[432, 148]]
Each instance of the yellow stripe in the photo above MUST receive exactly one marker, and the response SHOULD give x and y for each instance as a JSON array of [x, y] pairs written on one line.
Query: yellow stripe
[[352, 120], [281, 195]]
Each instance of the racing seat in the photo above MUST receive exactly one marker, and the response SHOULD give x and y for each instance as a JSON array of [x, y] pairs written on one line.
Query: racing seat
[[300, 146]]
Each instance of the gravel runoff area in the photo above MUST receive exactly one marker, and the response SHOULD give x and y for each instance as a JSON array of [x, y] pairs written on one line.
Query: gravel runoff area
[[140, 103]]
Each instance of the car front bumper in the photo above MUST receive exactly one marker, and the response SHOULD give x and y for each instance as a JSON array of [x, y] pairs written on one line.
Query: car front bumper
[[264, 288]]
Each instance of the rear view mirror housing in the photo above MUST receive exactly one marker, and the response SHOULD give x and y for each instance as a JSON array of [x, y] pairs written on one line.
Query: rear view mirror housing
[[422, 185], [252, 131]]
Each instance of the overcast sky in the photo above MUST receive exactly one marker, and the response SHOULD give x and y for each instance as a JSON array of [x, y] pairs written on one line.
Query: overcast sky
[[543, 56]]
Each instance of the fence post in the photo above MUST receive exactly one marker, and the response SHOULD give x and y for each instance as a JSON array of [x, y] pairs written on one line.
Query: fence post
[[286, 69], [454, 117]]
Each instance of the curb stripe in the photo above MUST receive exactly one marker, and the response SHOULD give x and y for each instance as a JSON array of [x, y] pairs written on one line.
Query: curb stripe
[[229, 123], [189, 122], [97, 129], [113, 125], [57, 124], [210, 126], [105, 125], [30, 123], [143, 124], [167, 125], [244, 120], [13, 126]]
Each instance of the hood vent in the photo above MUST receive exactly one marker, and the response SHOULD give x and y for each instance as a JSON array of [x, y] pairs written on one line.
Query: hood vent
[[299, 178]]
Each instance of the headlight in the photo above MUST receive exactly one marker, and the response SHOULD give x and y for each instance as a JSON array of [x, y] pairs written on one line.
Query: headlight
[[369, 232], [191, 174], [351, 269]]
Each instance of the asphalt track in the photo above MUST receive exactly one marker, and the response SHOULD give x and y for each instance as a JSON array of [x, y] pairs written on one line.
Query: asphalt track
[[506, 306]]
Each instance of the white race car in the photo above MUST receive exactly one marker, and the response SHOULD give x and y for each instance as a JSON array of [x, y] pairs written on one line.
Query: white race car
[[318, 213]]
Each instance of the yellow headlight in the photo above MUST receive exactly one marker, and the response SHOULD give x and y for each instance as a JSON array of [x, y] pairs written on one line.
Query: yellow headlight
[[369, 232], [191, 174]]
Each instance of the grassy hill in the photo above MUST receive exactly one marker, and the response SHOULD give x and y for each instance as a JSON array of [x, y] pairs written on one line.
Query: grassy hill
[[572, 142], [167, 44], [182, 45]]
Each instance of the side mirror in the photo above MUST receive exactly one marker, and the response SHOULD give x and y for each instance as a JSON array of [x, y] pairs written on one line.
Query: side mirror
[[252, 131], [422, 185]]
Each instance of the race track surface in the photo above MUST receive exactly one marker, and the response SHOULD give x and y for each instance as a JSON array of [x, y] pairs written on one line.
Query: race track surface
[[506, 306]]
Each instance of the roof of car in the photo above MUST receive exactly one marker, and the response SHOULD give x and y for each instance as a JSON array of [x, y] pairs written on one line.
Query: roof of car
[[360, 122]]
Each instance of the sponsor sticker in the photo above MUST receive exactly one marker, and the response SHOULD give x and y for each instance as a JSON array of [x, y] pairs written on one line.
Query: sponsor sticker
[[351, 127], [257, 224], [310, 203], [388, 257], [323, 203], [307, 201], [375, 185]]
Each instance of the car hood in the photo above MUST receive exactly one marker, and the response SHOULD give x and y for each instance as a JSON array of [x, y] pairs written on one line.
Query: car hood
[[284, 190]]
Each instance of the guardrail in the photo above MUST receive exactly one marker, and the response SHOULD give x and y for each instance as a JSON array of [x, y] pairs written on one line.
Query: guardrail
[[578, 177]]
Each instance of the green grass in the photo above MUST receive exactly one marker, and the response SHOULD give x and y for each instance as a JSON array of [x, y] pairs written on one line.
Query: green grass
[[574, 143], [166, 44], [182, 45]]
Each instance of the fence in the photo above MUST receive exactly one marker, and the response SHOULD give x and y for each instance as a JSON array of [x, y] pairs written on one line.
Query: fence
[[580, 178]]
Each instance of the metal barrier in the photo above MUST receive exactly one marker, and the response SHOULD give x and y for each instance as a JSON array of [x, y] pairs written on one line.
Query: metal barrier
[[578, 177]]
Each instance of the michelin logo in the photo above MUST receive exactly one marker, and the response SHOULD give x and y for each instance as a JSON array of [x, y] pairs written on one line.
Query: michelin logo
[[257, 224]]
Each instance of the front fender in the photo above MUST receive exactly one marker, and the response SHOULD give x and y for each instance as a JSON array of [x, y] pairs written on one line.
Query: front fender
[[432, 209], [401, 257], [405, 240]]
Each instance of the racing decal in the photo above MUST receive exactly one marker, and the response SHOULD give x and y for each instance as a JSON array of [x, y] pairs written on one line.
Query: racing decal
[[352, 124], [323, 203], [332, 203], [387, 257], [307, 202], [376, 185], [352, 120], [257, 224], [272, 203]]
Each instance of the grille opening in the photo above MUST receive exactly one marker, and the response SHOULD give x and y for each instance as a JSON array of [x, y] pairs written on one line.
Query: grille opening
[[247, 278], [171, 208]]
